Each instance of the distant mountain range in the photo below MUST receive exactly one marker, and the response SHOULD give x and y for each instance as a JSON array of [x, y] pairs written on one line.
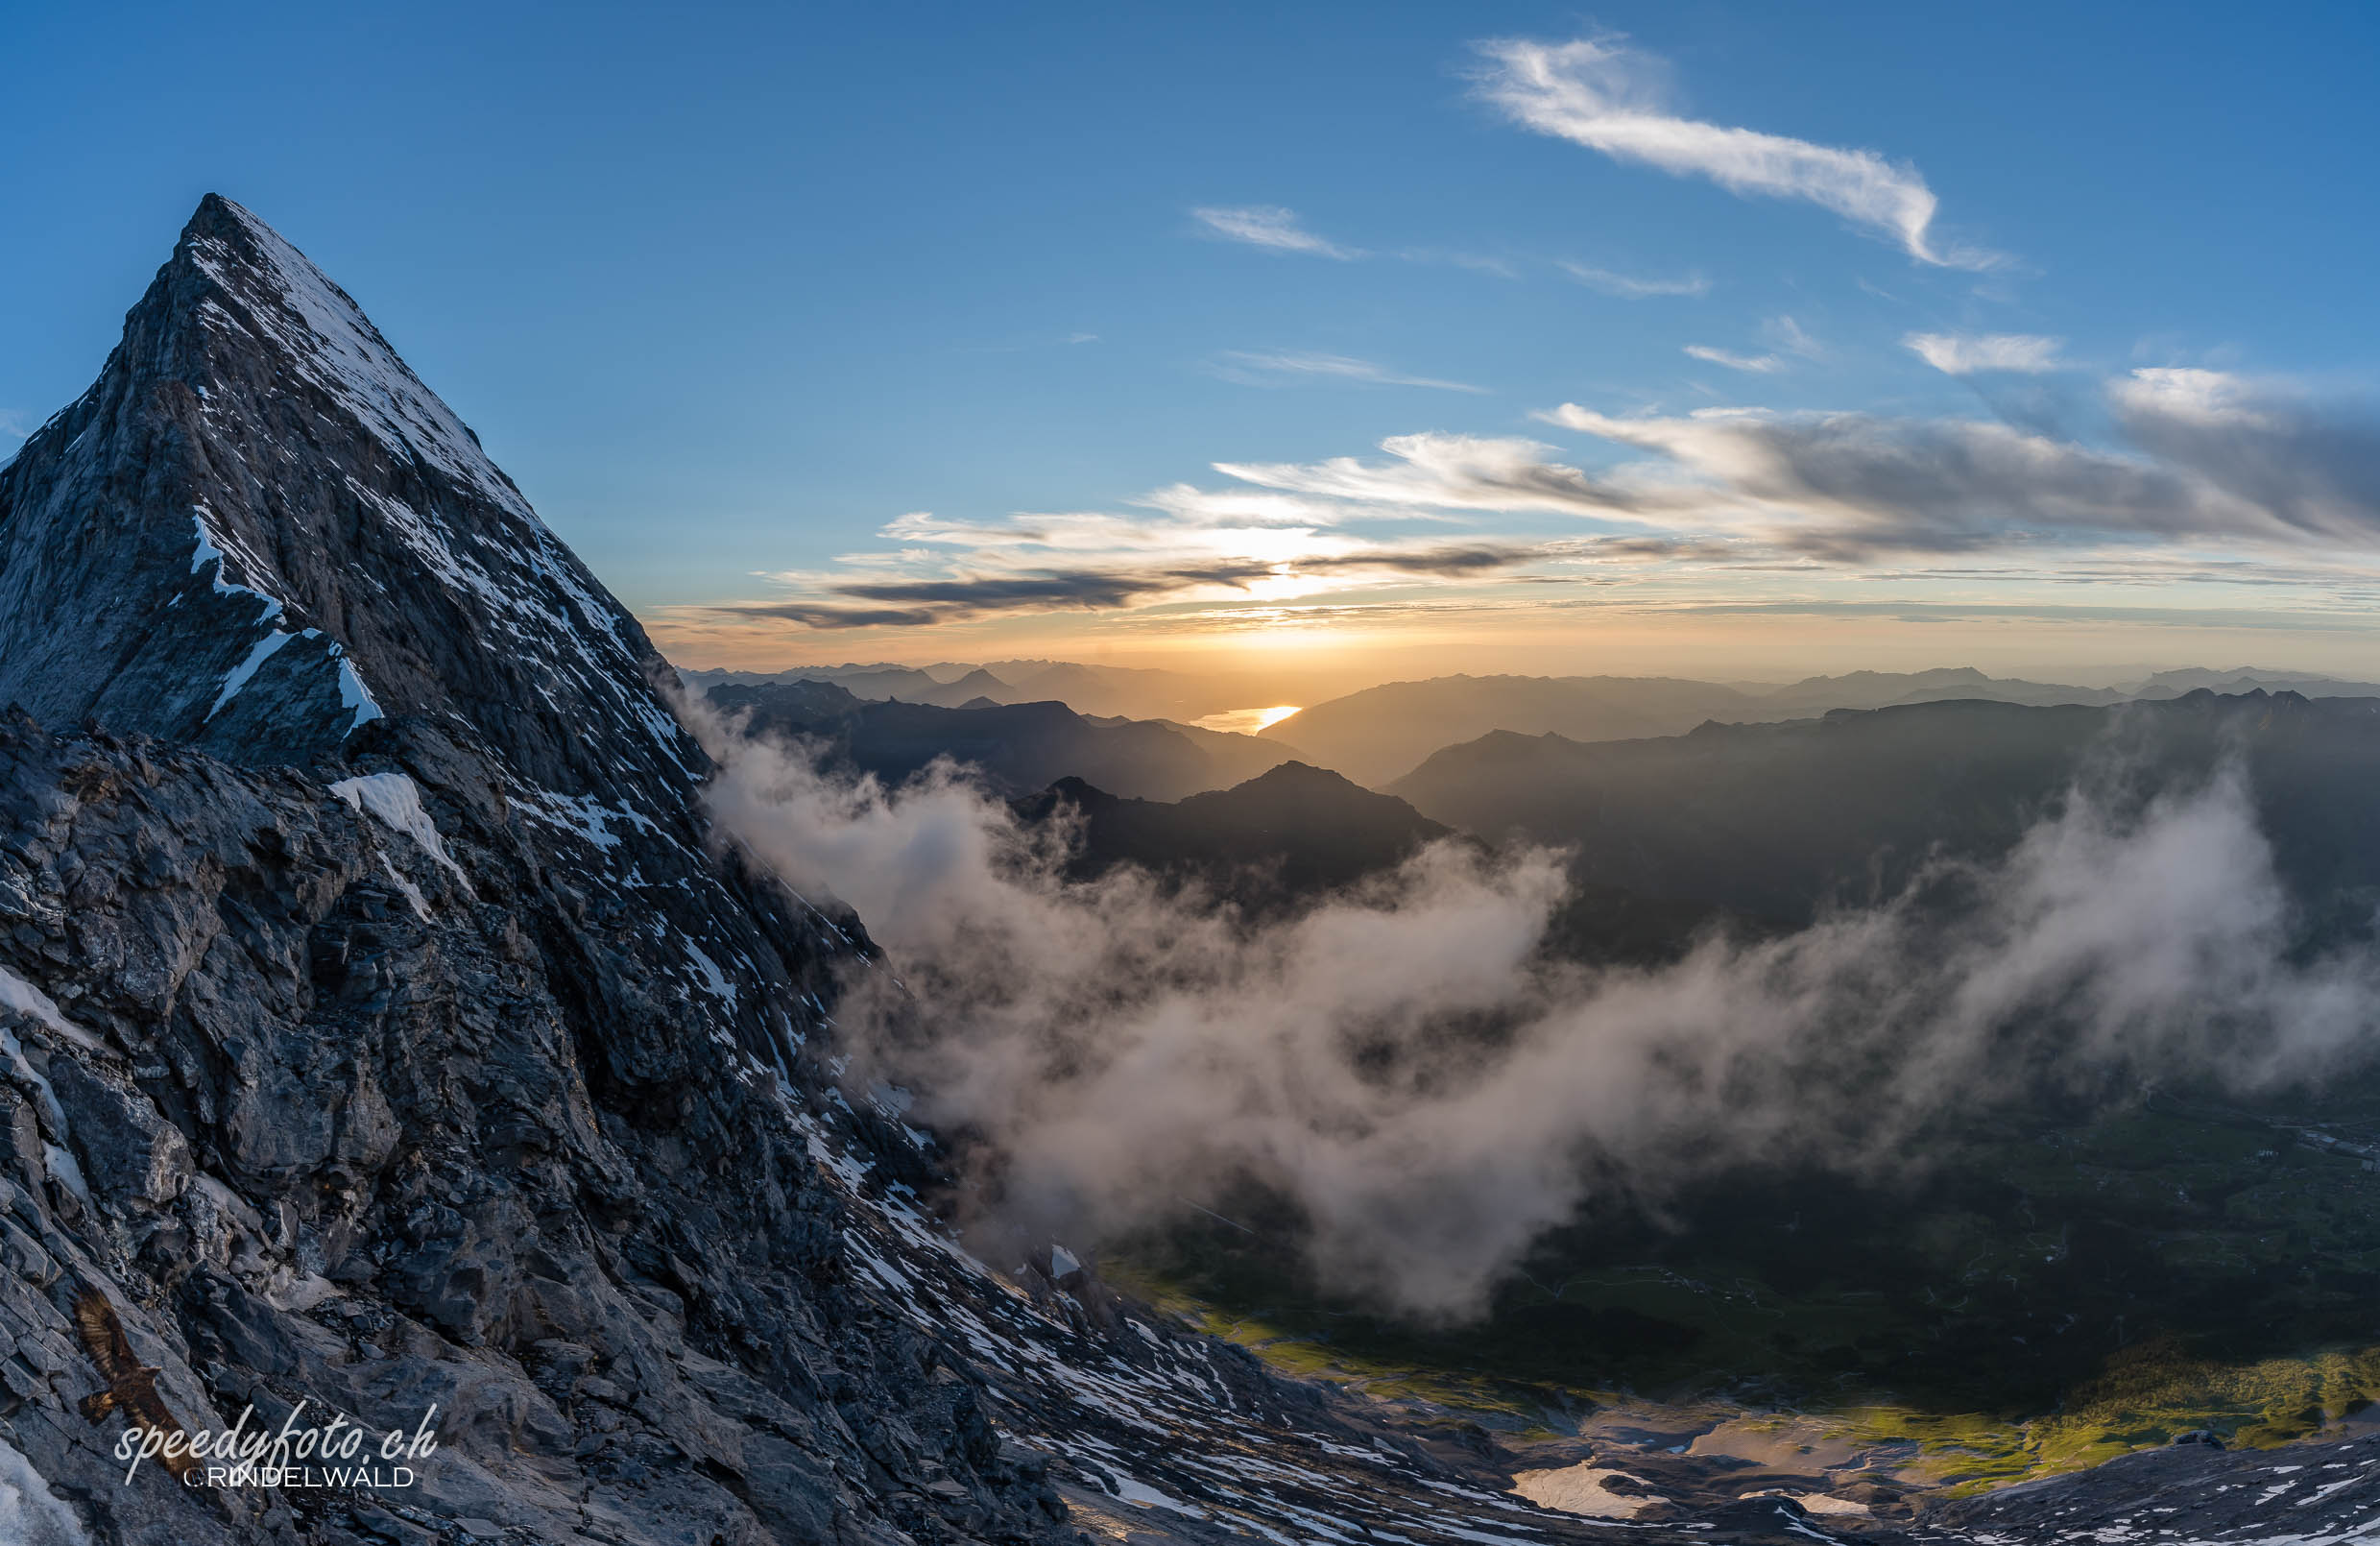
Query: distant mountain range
[[1112, 690], [1380, 734], [1018, 748], [1376, 734], [1298, 834], [1383, 733], [1778, 820], [1282, 837]]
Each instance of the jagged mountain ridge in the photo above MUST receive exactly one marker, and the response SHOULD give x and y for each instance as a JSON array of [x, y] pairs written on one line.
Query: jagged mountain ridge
[[342, 546], [258, 533]]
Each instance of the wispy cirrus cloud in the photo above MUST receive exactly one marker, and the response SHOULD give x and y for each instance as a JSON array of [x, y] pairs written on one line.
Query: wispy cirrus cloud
[[1277, 533], [1968, 353], [1271, 226], [1612, 99], [1632, 288], [1114, 587], [1443, 473], [2311, 465], [1755, 364], [1276, 368], [1788, 337]]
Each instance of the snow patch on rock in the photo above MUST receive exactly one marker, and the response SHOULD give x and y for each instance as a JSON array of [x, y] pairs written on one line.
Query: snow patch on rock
[[238, 676], [353, 696], [334, 346], [21, 995], [31, 1514], [395, 801]]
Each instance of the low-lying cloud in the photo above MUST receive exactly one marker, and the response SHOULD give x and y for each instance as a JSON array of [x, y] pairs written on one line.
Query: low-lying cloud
[[1410, 1069]]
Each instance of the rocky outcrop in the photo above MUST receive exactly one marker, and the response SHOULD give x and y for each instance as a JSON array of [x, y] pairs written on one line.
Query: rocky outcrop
[[318, 1119]]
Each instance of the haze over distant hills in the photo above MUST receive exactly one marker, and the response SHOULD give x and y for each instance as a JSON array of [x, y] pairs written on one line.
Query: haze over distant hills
[[1130, 693], [1779, 820], [1382, 733], [1378, 734], [1282, 838], [1297, 834], [1017, 748]]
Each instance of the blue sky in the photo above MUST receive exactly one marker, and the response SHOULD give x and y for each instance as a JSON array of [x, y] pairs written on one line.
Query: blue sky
[[818, 313]]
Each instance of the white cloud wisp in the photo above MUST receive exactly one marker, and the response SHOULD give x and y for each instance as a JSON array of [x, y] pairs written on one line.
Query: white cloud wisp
[[1608, 98], [1271, 227], [1968, 353]]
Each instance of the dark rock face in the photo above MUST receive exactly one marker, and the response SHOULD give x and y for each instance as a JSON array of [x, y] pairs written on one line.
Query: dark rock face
[[2189, 1491], [329, 1137]]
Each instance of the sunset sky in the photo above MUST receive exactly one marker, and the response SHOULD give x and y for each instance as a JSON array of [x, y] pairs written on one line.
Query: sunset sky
[[1706, 339]]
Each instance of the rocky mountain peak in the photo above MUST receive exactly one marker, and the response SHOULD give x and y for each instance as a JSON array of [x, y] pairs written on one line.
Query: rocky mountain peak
[[259, 535], [259, 532]]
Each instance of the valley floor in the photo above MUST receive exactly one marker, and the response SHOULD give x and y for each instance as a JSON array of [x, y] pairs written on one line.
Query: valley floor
[[2053, 1297]]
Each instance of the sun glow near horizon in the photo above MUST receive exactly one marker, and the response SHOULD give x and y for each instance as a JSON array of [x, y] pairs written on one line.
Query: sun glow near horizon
[[1247, 722]]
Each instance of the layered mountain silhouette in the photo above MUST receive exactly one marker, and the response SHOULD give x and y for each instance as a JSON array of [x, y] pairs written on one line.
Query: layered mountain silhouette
[[1298, 835], [1287, 836], [1113, 691], [1382, 734], [1781, 820], [1014, 748]]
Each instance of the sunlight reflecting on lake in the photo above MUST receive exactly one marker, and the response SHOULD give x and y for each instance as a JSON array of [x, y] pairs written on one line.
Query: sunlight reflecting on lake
[[1247, 722]]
